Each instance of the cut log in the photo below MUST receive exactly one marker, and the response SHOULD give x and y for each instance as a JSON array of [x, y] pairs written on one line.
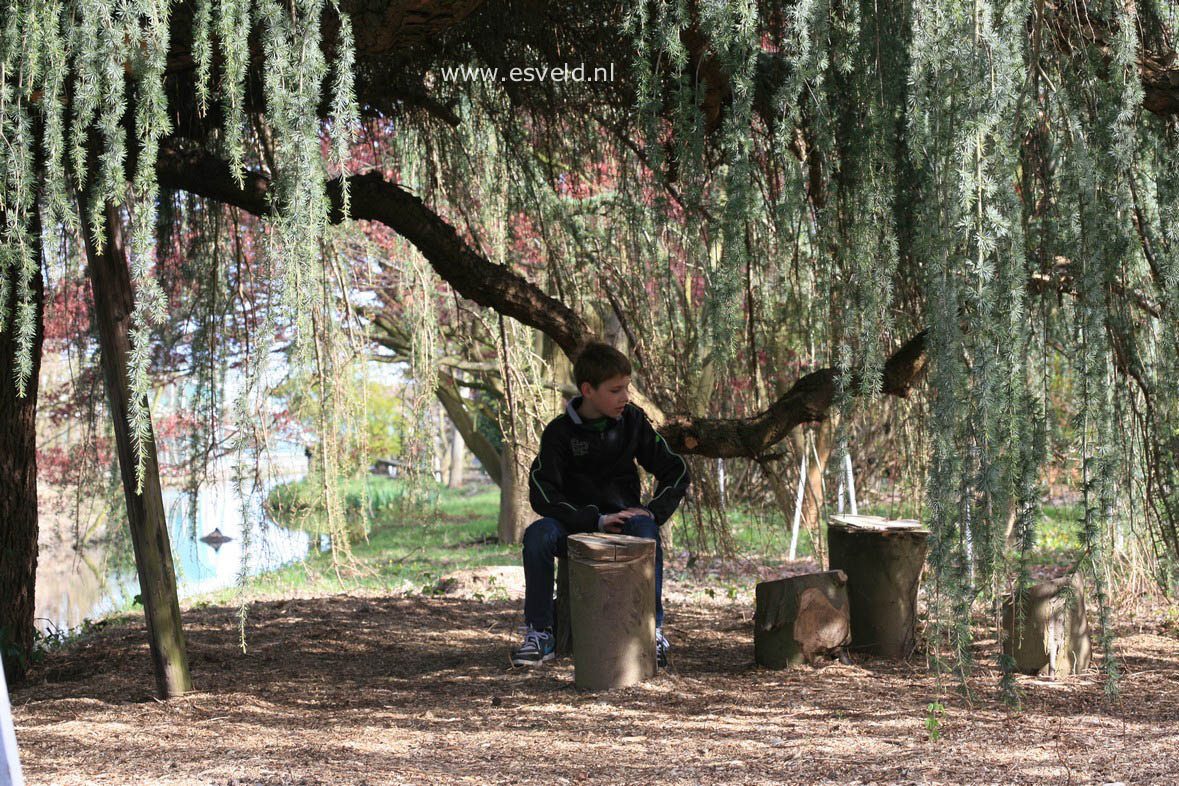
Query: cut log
[[883, 560], [612, 605], [800, 618], [1052, 638]]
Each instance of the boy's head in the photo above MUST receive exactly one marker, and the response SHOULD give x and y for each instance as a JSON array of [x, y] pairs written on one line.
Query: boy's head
[[599, 362], [602, 374]]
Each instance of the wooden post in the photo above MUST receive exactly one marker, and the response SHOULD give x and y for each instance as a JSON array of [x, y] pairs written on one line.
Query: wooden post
[[799, 618], [883, 560], [110, 278], [612, 601], [1053, 635]]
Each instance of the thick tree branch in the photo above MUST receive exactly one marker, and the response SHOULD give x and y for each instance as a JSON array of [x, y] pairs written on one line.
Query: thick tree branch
[[499, 288], [1077, 26], [808, 400], [375, 199]]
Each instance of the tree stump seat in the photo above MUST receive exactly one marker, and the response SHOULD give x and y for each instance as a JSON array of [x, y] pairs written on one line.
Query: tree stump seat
[[800, 618], [883, 559], [1053, 633], [611, 609]]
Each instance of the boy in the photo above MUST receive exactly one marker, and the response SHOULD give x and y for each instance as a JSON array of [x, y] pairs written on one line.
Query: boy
[[584, 479]]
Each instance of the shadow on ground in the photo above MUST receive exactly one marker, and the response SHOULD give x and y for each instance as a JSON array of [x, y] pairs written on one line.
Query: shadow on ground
[[373, 690]]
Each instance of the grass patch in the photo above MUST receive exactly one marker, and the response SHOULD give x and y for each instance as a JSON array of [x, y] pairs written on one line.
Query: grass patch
[[370, 493], [404, 550], [1058, 535], [765, 532], [399, 549]]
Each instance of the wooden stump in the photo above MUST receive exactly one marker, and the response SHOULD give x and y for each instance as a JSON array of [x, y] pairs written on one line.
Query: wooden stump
[[800, 618], [1053, 635], [883, 561], [612, 605]]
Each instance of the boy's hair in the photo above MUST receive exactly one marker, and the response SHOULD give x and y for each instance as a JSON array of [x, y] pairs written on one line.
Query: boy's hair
[[599, 362]]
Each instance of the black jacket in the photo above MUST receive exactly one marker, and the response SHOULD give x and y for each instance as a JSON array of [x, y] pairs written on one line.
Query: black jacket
[[582, 473]]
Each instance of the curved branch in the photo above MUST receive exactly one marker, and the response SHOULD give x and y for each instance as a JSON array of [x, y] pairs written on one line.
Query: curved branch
[[375, 199], [807, 401], [499, 288]]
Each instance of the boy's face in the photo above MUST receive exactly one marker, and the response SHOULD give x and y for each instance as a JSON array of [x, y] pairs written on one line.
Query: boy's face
[[608, 398]]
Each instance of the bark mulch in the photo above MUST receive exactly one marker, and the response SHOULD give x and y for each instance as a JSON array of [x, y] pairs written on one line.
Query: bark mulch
[[418, 690]]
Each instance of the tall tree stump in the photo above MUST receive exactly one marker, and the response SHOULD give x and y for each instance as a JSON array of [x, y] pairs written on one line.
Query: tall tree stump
[[612, 605], [883, 559], [800, 618], [1052, 638]]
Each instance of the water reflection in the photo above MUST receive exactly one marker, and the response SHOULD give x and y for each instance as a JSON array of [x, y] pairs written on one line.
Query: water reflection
[[73, 586]]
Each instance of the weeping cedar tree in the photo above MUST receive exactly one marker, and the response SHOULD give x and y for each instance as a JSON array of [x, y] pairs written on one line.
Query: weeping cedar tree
[[1001, 173]]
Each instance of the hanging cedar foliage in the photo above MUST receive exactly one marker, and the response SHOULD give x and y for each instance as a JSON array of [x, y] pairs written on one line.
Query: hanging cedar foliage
[[783, 207]]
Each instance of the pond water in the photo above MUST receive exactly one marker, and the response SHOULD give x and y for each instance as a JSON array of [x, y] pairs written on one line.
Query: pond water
[[73, 586]]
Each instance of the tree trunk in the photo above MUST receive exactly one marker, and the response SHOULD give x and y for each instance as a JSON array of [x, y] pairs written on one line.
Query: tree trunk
[[458, 457], [883, 565], [799, 618], [812, 498], [612, 604], [113, 301], [1053, 634], [452, 402], [18, 487], [515, 511]]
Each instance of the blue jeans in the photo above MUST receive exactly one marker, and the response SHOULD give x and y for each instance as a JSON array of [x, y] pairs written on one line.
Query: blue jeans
[[545, 539]]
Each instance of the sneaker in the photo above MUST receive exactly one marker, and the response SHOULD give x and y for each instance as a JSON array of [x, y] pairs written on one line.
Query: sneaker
[[538, 646], [661, 648]]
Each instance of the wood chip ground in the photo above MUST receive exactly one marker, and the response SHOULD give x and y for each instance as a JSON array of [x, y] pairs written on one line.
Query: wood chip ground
[[419, 690]]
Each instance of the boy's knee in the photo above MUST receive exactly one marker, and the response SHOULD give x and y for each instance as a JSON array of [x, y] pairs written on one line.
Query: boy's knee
[[541, 535], [643, 527]]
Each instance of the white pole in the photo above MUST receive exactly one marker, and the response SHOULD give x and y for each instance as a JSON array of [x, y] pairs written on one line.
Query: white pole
[[798, 505], [720, 477], [851, 484], [9, 761]]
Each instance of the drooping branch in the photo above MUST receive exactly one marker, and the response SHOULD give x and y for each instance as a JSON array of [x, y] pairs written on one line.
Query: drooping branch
[[499, 288]]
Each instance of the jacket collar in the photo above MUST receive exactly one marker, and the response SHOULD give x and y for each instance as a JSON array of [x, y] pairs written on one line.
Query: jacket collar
[[571, 410]]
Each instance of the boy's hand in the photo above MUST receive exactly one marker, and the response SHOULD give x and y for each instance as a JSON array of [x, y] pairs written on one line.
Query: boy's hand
[[613, 523]]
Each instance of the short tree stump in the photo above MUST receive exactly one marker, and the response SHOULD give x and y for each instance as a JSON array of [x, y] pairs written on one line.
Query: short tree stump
[[800, 618], [1053, 634]]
